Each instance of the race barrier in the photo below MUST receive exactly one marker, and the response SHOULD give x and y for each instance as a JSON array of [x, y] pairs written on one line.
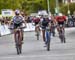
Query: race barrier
[[4, 29]]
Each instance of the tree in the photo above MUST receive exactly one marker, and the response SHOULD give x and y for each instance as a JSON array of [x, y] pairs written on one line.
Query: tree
[[28, 6], [64, 8]]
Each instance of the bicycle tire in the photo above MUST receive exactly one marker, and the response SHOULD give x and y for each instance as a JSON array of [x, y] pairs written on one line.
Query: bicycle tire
[[48, 40], [62, 38], [48, 45], [53, 34], [37, 34], [37, 37], [18, 52], [18, 46], [20, 49]]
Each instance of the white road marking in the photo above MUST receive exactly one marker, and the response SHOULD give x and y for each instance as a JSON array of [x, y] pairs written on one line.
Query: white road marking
[[34, 56]]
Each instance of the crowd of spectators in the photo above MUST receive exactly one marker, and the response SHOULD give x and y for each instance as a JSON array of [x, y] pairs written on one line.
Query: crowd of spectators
[[5, 20], [29, 19]]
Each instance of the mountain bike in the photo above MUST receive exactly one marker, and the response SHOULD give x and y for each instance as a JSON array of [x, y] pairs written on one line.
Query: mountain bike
[[18, 38]]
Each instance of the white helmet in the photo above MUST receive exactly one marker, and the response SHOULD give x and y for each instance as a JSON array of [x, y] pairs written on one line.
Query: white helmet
[[17, 11], [60, 14]]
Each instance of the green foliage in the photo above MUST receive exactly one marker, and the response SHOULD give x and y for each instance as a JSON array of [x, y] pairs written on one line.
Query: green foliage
[[52, 5], [30, 6], [64, 9], [26, 5]]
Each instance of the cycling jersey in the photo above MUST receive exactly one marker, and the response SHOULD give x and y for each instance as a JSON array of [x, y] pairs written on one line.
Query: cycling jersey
[[36, 20], [17, 21], [60, 18], [44, 22]]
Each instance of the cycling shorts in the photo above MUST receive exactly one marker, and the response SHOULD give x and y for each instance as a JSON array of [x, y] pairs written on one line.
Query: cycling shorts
[[17, 25], [36, 23], [43, 27], [61, 23]]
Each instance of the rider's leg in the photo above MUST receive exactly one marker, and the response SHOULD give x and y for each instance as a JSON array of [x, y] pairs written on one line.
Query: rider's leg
[[58, 28], [63, 26], [39, 28], [43, 34], [15, 35], [21, 36], [35, 28]]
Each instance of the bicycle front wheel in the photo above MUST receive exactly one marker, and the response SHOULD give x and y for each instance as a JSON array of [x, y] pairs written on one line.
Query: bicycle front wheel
[[48, 40], [18, 45], [48, 45]]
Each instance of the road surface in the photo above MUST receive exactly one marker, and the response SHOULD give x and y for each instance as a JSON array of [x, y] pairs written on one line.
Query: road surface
[[35, 50]]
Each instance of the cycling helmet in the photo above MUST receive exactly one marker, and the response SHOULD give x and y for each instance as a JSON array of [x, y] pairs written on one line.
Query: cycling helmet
[[60, 14], [17, 12]]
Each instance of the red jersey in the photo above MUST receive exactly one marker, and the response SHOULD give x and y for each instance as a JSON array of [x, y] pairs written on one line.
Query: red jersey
[[60, 18], [36, 20]]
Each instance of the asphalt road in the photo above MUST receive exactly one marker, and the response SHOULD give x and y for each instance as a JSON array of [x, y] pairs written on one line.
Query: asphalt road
[[35, 50]]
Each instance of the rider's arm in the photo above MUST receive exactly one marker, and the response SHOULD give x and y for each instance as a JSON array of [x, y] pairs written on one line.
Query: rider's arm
[[24, 23], [49, 24]]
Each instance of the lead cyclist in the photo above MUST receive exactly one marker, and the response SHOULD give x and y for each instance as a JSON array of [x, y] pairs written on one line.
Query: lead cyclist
[[17, 22]]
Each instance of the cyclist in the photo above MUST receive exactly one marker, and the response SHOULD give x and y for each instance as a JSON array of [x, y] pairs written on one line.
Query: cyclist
[[36, 20], [44, 24], [60, 20], [17, 22], [53, 24]]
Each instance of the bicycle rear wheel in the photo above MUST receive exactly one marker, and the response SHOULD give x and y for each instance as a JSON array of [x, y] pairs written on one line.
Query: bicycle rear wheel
[[37, 35]]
